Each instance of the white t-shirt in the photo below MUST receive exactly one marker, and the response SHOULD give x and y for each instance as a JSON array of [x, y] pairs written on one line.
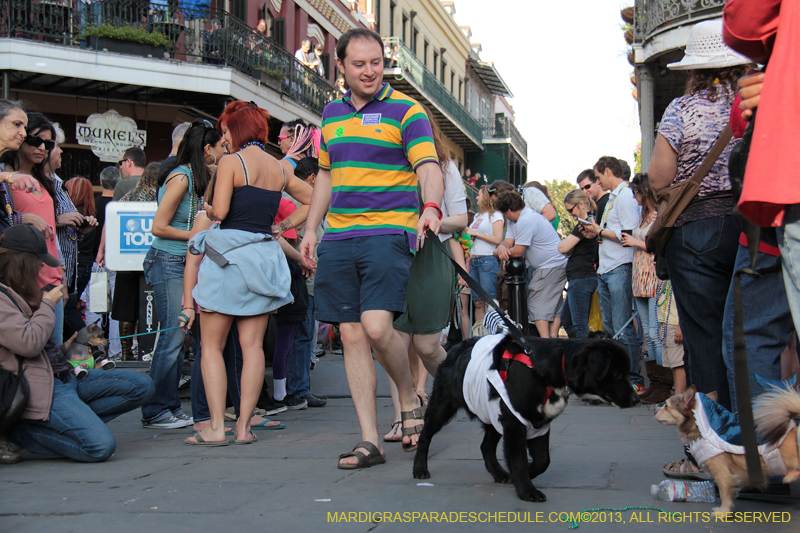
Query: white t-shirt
[[454, 201], [534, 198], [535, 232], [483, 224]]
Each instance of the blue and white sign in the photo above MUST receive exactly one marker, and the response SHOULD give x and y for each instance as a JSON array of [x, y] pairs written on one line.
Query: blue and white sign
[[129, 227]]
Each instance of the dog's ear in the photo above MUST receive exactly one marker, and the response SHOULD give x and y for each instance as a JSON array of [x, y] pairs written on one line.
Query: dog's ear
[[96, 322], [687, 400], [599, 363], [713, 395]]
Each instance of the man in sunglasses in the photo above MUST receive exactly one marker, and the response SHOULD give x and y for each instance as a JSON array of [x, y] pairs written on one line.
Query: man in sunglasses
[[591, 186], [131, 166]]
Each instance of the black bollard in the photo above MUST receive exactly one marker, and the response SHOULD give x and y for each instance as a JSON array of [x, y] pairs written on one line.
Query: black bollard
[[517, 298]]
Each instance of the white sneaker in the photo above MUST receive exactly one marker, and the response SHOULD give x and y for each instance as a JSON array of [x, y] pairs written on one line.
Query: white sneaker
[[169, 422]]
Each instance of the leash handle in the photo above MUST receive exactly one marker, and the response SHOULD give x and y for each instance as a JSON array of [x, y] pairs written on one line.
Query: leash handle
[[513, 330]]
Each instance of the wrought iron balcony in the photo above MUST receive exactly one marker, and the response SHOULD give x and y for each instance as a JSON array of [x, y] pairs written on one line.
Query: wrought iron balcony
[[199, 34], [503, 129], [655, 16], [404, 64]]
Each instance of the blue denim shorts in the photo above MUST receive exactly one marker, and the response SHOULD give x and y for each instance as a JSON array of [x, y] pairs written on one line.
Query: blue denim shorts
[[361, 274]]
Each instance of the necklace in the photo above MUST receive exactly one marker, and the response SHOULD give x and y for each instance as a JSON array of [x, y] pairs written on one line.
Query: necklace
[[253, 143], [664, 289]]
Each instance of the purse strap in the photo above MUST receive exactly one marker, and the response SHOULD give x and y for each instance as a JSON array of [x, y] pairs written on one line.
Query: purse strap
[[716, 151]]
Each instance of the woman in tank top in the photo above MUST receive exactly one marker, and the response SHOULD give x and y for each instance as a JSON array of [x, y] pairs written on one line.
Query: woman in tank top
[[244, 274], [180, 184]]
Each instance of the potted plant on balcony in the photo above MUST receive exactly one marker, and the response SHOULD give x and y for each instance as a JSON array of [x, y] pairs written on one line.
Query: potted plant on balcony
[[126, 40], [272, 78]]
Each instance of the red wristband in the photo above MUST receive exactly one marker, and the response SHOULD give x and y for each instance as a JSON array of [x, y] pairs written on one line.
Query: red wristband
[[431, 204]]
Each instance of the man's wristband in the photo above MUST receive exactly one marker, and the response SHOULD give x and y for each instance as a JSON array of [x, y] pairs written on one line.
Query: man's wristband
[[435, 206]]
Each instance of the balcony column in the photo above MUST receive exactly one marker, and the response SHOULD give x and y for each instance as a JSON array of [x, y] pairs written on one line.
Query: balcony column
[[646, 94]]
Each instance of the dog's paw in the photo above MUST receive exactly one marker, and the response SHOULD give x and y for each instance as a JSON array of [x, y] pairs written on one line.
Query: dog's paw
[[421, 473], [501, 477], [533, 495]]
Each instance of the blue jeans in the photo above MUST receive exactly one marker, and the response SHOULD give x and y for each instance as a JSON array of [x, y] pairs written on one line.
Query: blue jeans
[[579, 303], [164, 272], [648, 322], [484, 269], [616, 302], [700, 257], [789, 242], [297, 379], [79, 412], [232, 355], [767, 322]]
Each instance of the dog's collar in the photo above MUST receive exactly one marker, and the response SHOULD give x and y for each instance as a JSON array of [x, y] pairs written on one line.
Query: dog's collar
[[526, 360]]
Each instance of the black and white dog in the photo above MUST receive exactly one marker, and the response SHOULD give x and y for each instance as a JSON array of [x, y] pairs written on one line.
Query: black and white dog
[[516, 396]]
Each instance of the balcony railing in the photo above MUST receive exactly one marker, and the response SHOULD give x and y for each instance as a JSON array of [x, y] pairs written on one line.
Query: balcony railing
[[655, 16], [503, 128], [204, 35], [413, 68]]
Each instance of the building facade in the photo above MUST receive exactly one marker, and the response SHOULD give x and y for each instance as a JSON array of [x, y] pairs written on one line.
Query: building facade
[[161, 63], [661, 31]]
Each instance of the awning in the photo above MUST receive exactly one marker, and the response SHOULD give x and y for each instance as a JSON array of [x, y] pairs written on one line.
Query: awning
[[490, 77]]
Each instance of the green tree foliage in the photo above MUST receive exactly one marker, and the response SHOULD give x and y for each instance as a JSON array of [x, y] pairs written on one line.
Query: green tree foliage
[[558, 189]]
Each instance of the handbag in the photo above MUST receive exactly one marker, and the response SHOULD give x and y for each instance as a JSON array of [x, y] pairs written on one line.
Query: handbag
[[98, 292], [14, 389], [595, 314], [674, 199]]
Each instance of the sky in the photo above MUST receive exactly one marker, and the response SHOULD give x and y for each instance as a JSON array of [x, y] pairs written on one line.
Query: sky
[[566, 64]]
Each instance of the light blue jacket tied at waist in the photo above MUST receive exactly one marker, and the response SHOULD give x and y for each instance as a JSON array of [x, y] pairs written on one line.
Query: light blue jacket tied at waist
[[242, 273]]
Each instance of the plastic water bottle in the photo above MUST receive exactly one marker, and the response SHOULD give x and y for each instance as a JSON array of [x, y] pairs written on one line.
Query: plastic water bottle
[[673, 490]]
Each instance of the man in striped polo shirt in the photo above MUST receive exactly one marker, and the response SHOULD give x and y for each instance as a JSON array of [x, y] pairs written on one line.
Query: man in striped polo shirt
[[376, 147]]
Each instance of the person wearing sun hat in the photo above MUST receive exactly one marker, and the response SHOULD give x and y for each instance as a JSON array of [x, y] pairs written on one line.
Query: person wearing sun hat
[[62, 416], [701, 252]]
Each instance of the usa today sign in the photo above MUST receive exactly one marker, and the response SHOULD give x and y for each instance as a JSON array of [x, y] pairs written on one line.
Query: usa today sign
[[129, 227]]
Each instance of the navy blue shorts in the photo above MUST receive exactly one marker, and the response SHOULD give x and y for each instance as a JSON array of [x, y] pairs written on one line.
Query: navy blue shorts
[[361, 274]]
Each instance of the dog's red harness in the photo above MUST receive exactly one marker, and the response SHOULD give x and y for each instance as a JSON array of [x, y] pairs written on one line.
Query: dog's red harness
[[526, 360]]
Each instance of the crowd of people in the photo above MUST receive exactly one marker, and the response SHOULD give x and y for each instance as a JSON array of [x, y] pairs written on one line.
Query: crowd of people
[[337, 232]]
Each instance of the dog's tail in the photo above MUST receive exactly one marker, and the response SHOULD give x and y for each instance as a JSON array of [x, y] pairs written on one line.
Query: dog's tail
[[773, 412]]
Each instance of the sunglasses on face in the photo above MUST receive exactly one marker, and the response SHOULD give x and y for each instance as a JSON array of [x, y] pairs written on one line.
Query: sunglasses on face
[[282, 137], [587, 187], [121, 161], [36, 142]]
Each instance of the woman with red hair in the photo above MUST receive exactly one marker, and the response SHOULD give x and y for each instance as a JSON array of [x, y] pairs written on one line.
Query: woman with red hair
[[243, 275]]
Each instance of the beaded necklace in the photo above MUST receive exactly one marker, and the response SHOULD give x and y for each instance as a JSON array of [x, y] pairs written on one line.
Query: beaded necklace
[[664, 289], [253, 143]]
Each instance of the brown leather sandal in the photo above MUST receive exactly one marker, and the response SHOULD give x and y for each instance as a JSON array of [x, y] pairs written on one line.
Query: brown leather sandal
[[414, 414], [374, 457]]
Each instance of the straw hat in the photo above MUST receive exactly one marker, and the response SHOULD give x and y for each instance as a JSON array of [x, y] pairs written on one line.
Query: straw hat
[[707, 50]]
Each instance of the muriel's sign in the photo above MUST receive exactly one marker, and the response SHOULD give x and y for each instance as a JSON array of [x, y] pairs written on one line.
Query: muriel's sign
[[109, 134]]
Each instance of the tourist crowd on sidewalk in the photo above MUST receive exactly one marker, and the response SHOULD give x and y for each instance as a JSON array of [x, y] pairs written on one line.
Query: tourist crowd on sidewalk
[[333, 237]]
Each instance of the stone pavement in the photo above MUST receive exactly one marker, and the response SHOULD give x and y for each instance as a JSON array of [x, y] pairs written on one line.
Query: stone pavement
[[602, 457]]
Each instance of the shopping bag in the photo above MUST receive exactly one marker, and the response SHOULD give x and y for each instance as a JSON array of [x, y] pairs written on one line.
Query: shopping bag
[[595, 316], [98, 292]]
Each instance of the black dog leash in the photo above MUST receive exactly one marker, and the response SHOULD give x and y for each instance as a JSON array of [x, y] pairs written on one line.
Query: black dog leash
[[513, 329]]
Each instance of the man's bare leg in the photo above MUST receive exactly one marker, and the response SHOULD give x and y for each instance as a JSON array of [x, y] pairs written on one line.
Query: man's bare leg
[[363, 383], [392, 354], [543, 327]]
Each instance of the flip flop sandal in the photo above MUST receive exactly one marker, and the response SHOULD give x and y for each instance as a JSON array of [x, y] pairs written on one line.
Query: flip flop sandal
[[263, 425], [200, 441], [683, 470], [374, 457], [253, 438], [414, 414], [393, 431]]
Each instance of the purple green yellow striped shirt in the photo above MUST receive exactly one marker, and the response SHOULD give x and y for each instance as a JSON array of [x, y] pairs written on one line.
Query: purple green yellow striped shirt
[[372, 155]]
